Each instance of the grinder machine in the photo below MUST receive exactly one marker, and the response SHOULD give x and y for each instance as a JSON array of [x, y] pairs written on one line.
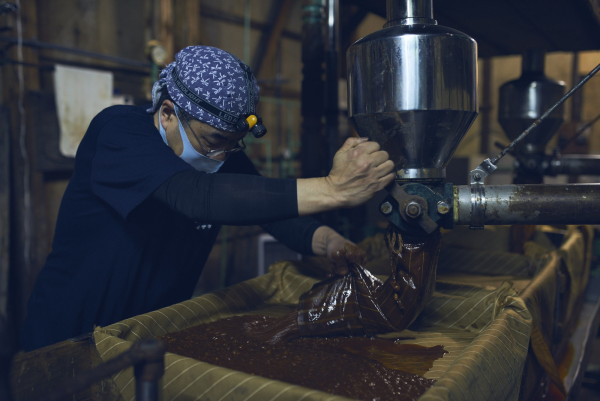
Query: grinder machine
[[412, 87]]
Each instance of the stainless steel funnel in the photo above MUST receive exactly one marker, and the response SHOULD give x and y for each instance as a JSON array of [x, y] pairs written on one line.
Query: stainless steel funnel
[[412, 87]]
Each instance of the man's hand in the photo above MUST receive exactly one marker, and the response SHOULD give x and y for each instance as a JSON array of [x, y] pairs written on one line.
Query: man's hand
[[360, 169], [339, 250]]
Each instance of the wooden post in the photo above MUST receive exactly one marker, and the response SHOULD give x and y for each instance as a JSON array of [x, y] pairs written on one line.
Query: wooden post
[[265, 54], [165, 30], [187, 24], [4, 211], [28, 245]]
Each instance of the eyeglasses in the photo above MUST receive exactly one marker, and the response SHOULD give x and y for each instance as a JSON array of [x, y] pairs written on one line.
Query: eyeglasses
[[239, 145]]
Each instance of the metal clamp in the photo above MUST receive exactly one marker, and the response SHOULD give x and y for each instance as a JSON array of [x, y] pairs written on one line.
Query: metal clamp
[[478, 203]]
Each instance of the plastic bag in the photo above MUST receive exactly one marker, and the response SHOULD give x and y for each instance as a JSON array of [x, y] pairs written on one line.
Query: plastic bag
[[358, 303]]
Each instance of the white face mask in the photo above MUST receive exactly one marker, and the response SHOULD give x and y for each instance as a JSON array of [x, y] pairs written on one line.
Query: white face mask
[[190, 155]]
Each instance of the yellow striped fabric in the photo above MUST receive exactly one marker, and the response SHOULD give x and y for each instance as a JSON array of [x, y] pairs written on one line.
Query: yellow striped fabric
[[484, 322]]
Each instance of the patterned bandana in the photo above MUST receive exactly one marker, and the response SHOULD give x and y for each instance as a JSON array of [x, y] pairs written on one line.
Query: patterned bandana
[[210, 84]]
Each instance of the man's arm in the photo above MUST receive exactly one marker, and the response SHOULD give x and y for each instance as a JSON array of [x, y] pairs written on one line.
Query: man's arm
[[359, 170]]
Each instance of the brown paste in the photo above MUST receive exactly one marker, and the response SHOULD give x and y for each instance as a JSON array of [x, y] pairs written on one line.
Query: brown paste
[[361, 368], [327, 342]]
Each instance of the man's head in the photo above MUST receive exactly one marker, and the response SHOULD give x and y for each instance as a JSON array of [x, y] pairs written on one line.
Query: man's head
[[211, 86]]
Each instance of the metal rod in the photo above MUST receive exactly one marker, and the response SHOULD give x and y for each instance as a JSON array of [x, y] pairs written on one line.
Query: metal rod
[[399, 11], [537, 122], [331, 79], [527, 204]]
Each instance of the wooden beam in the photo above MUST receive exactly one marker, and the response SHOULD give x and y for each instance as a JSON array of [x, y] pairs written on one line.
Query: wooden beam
[[213, 13], [187, 21], [265, 54], [165, 29], [28, 237], [594, 6]]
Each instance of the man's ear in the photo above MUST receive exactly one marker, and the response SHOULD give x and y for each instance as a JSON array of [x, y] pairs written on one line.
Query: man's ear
[[166, 111], [167, 108]]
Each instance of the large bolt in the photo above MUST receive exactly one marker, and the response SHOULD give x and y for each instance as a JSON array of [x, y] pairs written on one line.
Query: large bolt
[[442, 207], [386, 208], [413, 210]]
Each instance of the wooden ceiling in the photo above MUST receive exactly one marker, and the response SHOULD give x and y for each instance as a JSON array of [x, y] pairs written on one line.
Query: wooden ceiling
[[504, 27]]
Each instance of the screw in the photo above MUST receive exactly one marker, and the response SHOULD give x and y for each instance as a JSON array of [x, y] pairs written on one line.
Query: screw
[[413, 210], [442, 207], [386, 208]]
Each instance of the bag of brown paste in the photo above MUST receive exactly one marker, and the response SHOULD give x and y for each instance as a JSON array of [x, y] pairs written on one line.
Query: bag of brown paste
[[358, 303]]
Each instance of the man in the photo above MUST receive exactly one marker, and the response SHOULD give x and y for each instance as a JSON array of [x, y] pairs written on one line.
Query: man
[[144, 205]]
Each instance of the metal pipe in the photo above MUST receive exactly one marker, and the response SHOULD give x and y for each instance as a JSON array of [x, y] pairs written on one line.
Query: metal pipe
[[574, 165], [477, 205], [331, 79], [149, 369], [313, 146], [409, 11]]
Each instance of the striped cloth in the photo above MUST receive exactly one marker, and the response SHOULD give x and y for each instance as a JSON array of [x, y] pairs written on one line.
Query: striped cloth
[[483, 322]]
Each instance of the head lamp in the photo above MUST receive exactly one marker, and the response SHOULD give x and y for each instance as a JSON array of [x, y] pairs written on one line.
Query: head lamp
[[251, 123]]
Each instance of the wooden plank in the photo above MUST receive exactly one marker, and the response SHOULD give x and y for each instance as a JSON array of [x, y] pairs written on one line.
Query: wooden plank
[[213, 13], [34, 374]]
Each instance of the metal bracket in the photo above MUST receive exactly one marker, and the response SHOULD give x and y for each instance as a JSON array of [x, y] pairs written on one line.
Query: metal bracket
[[478, 175]]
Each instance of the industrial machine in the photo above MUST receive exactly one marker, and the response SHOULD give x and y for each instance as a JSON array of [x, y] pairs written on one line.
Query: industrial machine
[[524, 100], [412, 88]]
